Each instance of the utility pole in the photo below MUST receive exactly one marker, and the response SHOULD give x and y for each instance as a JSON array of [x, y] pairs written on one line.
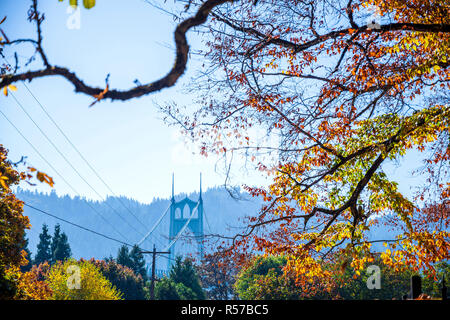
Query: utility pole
[[152, 283]]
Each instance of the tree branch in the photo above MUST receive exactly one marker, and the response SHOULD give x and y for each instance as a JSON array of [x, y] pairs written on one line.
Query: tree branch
[[179, 67]]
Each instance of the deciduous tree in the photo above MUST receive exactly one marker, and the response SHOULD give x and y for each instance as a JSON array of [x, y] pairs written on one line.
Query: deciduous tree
[[93, 284], [343, 91], [32, 285], [337, 97], [217, 276], [264, 279], [12, 225], [123, 278]]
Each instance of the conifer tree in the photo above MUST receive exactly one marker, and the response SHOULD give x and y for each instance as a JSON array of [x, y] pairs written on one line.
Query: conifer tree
[[138, 262], [44, 252], [183, 283], [184, 272], [123, 257], [56, 238], [60, 247], [133, 259]]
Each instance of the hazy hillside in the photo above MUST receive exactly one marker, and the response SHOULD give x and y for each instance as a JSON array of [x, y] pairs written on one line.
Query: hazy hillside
[[223, 215], [221, 210]]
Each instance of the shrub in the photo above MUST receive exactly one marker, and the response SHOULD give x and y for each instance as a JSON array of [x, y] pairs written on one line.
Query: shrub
[[80, 280], [123, 278]]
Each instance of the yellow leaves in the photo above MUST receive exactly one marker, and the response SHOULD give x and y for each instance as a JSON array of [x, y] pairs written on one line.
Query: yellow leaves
[[30, 285], [92, 284], [88, 4], [3, 181], [11, 212], [10, 88]]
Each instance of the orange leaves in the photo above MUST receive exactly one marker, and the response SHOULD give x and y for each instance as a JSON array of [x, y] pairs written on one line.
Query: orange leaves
[[11, 212], [31, 285], [100, 96], [10, 88], [43, 177], [340, 102]]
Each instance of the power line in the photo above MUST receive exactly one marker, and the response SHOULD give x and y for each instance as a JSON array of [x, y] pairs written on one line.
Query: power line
[[78, 226], [69, 163], [159, 254], [56, 171], [81, 155], [152, 285], [78, 151], [154, 226]]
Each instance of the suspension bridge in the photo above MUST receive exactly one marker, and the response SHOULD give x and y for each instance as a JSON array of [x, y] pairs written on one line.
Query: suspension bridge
[[184, 215]]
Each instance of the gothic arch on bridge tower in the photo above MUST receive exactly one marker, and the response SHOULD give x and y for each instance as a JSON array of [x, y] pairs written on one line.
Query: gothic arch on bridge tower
[[178, 213], [186, 214]]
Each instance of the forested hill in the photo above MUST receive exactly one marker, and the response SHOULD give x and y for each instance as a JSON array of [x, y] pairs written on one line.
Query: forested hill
[[128, 220], [221, 210]]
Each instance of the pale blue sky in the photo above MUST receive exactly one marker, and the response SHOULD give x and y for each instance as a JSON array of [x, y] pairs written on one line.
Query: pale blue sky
[[127, 142]]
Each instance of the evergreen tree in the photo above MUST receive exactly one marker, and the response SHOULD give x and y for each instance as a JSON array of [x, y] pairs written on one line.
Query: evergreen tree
[[133, 259], [123, 278], [138, 262], [183, 272], [44, 252], [55, 239], [166, 289], [123, 257], [109, 259], [62, 249]]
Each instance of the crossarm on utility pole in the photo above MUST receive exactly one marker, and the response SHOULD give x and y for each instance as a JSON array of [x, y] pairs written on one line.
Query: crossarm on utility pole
[[154, 253]]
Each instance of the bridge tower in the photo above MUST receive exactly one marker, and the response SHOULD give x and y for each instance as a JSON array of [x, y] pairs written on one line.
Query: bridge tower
[[193, 221]]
